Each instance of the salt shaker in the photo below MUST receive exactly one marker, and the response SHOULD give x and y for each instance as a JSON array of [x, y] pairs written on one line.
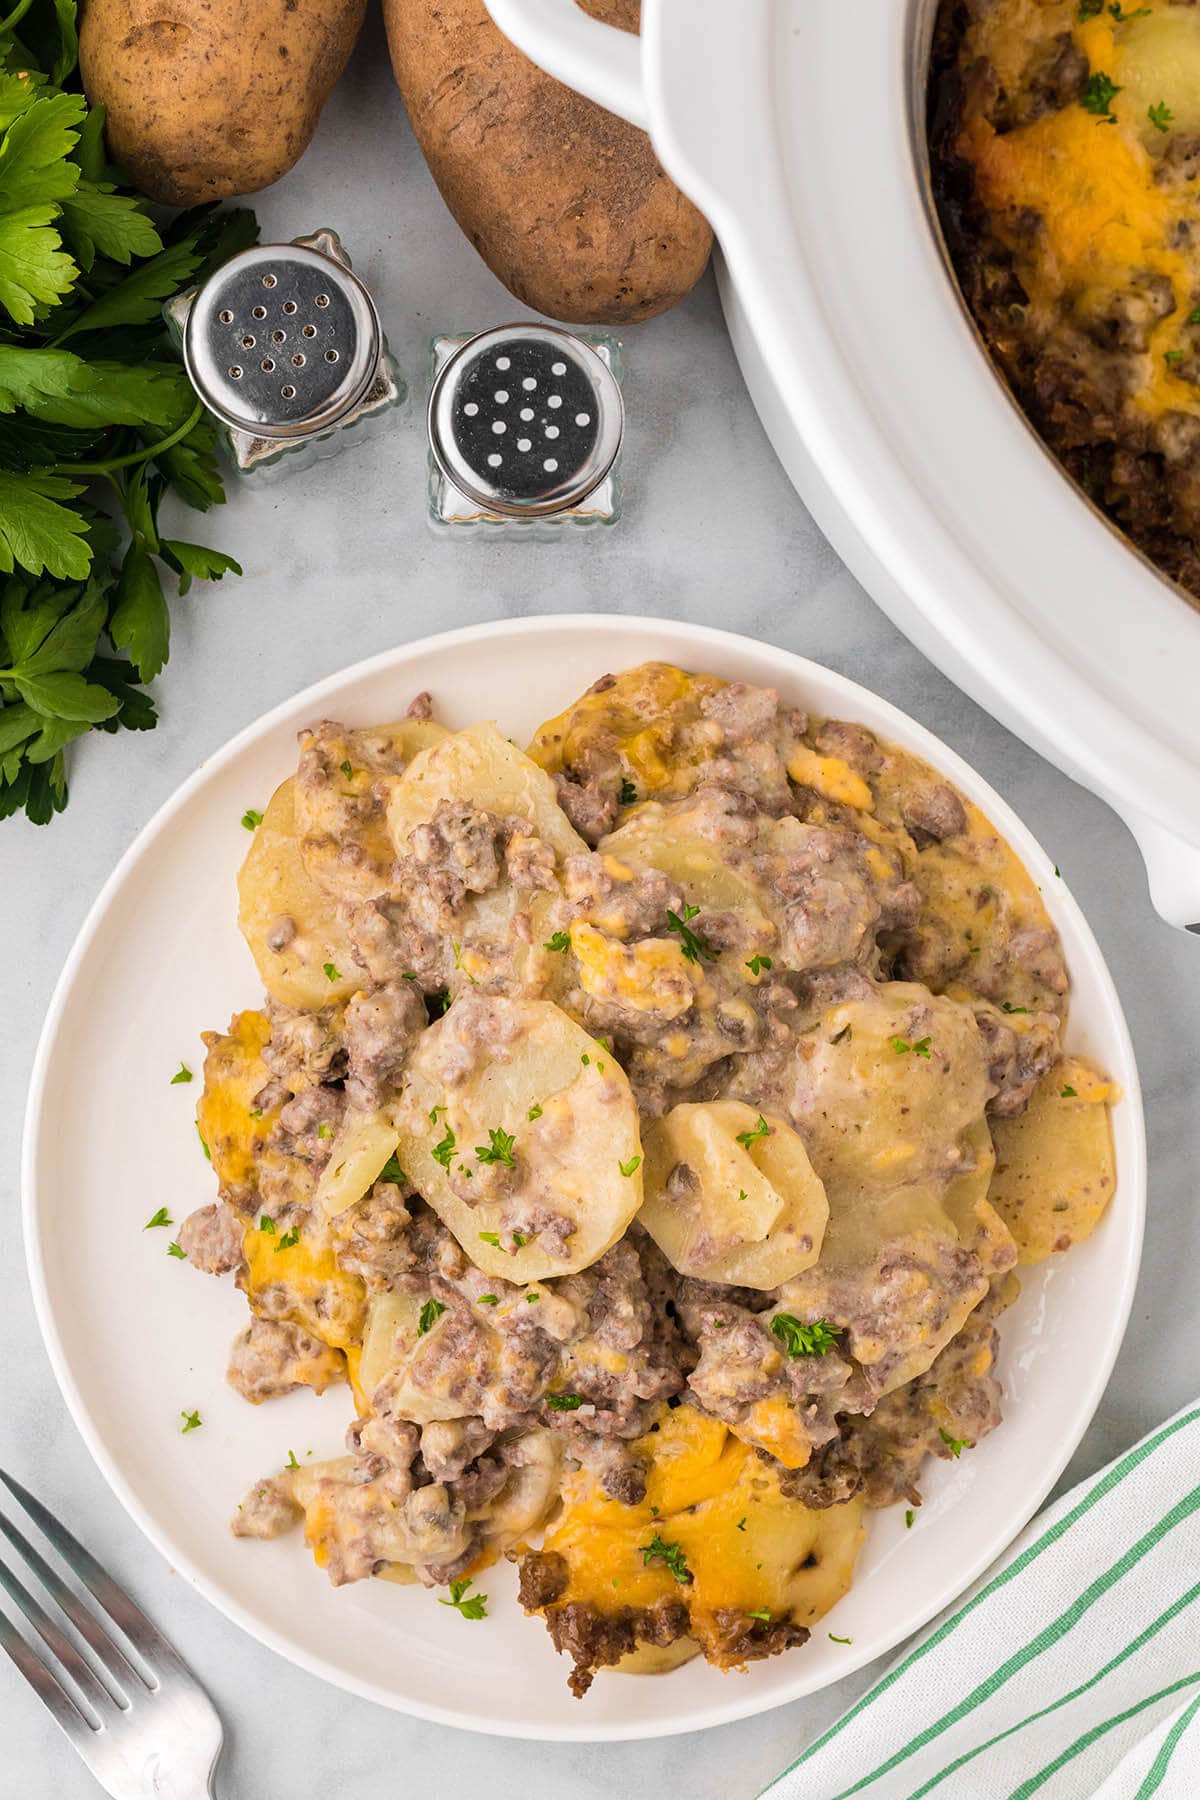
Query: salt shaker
[[525, 422], [284, 346]]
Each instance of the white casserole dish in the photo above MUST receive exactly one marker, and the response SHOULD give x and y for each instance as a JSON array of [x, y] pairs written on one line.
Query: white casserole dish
[[136, 1337], [797, 126]]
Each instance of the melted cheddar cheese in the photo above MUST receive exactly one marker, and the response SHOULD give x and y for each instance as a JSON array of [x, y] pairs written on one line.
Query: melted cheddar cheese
[[747, 1547]]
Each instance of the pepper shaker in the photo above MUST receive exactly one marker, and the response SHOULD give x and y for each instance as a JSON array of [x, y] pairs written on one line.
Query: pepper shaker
[[284, 346], [525, 422]]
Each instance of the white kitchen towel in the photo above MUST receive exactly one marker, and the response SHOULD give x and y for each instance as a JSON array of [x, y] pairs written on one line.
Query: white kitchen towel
[[1070, 1672]]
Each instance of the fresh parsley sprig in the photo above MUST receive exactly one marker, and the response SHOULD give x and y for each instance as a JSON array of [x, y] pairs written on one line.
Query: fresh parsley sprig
[[97, 419]]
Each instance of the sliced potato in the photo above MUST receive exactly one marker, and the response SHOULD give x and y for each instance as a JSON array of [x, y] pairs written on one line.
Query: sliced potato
[[342, 785], [638, 718], [523, 1070], [275, 894], [480, 767], [885, 1087], [750, 1212], [360, 1150], [408, 1366], [1055, 1165], [657, 1659]]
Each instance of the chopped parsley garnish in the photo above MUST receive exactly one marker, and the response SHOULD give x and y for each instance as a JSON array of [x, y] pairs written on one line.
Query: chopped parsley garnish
[[177, 1250], [757, 964], [741, 1525], [490, 1237], [532, 1299], [191, 1422], [630, 1167], [324, 1131], [1160, 116], [392, 1171], [564, 1402], [535, 1112], [289, 1240], [500, 1150], [670, 1554], [291, 1462], [519, 1239], [838, 1640], [909, 1516], [799, 1339], [443, 1151], [902, 1047], [954, 1445], [1122, 17], [1193, 317], [1090, 9], [921, 1048], [489, 1299], [252, 818], [183, 1073], [761, 1130], [560, 942], [347, 768], [1098, 95], [203, 1145], [267, 1224], [256, 1112], [1173, 357], [762, 1614], [474, 1608], [435, 1113], [161, 1217], [627, 793], [691, 943], [429, 1315], [1008, 1007], [1068, 1093], [437, 1004], [332, 972]]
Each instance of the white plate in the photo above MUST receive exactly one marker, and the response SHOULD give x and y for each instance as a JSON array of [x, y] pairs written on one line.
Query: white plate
[[136, 1336]]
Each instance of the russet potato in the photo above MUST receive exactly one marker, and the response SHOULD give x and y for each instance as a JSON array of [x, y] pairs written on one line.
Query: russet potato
[[207, 98]]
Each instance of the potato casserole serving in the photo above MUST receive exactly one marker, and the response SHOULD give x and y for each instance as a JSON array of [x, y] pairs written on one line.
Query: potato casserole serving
[[646, 1128], [1066, 158]]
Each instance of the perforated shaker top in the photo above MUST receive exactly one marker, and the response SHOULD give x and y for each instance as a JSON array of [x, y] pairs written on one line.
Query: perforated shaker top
[[282, 341], [525, 419]]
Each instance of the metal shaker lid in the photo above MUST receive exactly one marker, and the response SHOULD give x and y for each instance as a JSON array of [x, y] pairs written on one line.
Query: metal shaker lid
[[525, 420], [281, 341]]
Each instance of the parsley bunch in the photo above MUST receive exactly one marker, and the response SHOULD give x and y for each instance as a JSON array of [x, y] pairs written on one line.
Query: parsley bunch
[[97, 418]]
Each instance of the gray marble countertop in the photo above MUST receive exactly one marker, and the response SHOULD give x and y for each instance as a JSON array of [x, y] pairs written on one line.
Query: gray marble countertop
[[340, 564]]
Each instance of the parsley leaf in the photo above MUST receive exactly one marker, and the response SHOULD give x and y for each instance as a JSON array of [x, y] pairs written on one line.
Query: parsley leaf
[[954, 1445], [691, 943], [1008, 1007], [631, 1167], [560, 941], [757, 964], [1069, 1093], [627, 793], [909, 1516], [331, 971], [761, 1613], [391, 1171], [1160, 115], [473, 1608], [161, 1217], [761, 1130], [178, 1250], [535, 1112], [443, 1151], [500, 1149], [1098, 95], [288, 1240], [564, 1402], [670, 1554], [191, 1422], [429, 1315], [182, 1073], [799, 1339]]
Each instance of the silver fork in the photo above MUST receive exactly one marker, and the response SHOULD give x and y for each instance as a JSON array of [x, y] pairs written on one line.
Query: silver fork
[[143, 1734]]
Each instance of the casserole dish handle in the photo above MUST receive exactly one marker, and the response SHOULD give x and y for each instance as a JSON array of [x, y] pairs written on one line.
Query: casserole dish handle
[[597, 60]]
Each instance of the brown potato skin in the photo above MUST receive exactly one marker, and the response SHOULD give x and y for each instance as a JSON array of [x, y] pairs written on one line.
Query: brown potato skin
[[564, 202], [209, 98]]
